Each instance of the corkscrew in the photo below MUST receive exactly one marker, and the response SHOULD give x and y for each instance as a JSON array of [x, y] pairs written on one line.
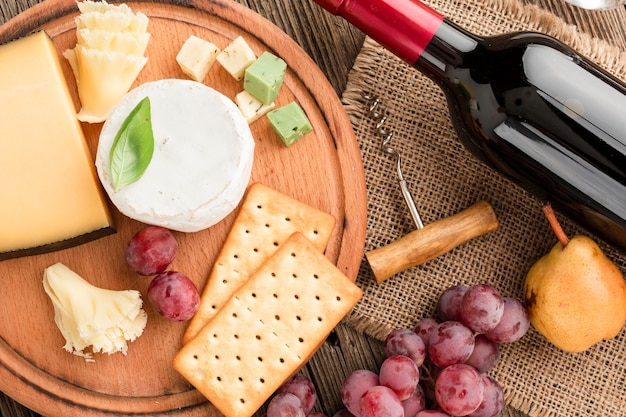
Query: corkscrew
[[432, 240], [386, 135]]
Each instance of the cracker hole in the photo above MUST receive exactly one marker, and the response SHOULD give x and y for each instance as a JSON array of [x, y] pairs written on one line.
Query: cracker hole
[[273, 274], [217, 357], [338, 298], [238, 357], [276, 244], [262, 381], [267, 225], [236, 256], [287, 219], [240, 379], [281, 360], [259, 206], [315, 232], [255, 250], [319, 319], [219, 378], [277, 317], [235, 315], [195, 357], [215, 335], [275, 295], [317, 297], [316, 276], [301, 340], [298, 318], [224, 281], [247, 231], [293, 254], [236, 336], [294, 275], [260, 359], [258, 337], [242, 400], [296, 296]]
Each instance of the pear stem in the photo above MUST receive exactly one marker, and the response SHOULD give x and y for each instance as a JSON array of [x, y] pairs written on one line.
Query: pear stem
[[554, 223]]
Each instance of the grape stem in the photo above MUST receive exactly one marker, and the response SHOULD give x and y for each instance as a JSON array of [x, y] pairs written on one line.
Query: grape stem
[[554, 223]]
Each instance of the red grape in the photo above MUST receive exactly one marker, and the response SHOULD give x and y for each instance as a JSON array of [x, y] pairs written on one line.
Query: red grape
[[415, 403], [485, 355], [424, 328], [174, 295], [405, 342], [401, 374], [482, 308], [493, 399], [459, 390], [285, 404], [451, 342], [151, 250], [514, 322], [380, 401], [302, 387], [449, 303], [432, 413], [354, 386]]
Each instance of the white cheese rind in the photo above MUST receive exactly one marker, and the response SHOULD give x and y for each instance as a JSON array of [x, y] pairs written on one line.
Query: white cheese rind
[[202, 160]]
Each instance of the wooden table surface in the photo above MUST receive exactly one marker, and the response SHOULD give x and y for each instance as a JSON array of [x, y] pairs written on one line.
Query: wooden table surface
[[333, 45]]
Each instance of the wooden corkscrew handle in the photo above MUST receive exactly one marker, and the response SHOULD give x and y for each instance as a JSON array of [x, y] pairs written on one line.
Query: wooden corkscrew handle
[[432, 240]]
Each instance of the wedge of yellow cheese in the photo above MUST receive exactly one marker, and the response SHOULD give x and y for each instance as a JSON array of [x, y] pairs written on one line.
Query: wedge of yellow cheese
[[49, 192]]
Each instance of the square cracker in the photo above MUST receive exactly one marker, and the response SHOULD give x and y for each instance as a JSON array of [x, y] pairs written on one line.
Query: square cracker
[[269, 328], [266, 219]]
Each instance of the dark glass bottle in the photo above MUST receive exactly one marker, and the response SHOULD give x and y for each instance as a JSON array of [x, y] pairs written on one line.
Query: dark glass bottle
[[526, 104]]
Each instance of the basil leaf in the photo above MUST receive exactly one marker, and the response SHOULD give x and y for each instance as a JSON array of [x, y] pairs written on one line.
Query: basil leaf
[[133, 146]]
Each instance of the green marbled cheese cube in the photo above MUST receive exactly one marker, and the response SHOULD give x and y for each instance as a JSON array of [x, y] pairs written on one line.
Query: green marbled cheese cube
[[264, 77], [290, 123]]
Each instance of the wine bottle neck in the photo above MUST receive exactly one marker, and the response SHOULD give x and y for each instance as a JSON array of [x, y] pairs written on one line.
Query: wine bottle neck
[[405, 27]]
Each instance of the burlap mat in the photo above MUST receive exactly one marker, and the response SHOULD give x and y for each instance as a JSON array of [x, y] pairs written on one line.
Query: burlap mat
[[444, 178]]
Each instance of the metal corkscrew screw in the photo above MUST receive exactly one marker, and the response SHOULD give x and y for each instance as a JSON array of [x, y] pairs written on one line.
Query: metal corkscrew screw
[[386, 135]]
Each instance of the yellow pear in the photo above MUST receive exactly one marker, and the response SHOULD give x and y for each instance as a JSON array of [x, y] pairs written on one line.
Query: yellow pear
[[575, 295]]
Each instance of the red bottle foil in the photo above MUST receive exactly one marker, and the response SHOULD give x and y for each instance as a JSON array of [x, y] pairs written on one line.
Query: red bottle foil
[[405, 27]]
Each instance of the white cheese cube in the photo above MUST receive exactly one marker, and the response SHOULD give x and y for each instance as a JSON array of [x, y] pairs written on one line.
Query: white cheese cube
[[196, 57], [236, 57], [251, 107]]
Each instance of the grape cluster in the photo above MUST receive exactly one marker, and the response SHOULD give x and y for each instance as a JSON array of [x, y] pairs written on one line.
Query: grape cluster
[[295, 398], [439, 368], [150, 252]]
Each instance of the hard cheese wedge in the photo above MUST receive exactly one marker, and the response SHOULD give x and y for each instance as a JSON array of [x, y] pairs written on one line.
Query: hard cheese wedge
[[51, 198], [269, 328]]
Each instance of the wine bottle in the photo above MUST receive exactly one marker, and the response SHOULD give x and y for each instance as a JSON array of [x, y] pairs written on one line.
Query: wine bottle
[[524, 103]]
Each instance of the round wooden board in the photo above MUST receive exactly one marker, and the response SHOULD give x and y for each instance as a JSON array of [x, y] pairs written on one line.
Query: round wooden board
[[323, 169]]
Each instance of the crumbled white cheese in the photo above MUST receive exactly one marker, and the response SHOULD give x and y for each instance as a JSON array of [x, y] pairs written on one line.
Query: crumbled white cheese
[[88, 315]]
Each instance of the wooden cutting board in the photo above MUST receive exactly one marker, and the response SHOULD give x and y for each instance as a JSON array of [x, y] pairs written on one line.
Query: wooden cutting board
[[323, 169]]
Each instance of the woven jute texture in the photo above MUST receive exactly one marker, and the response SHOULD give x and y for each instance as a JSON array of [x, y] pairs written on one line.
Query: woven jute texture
[[444, 179]]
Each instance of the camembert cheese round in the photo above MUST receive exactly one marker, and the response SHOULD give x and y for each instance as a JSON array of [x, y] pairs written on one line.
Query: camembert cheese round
[[202, 161]]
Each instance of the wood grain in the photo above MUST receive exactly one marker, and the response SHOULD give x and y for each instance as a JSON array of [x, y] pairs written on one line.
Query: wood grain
[[333, 45], [432, 241], [55, 383]]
